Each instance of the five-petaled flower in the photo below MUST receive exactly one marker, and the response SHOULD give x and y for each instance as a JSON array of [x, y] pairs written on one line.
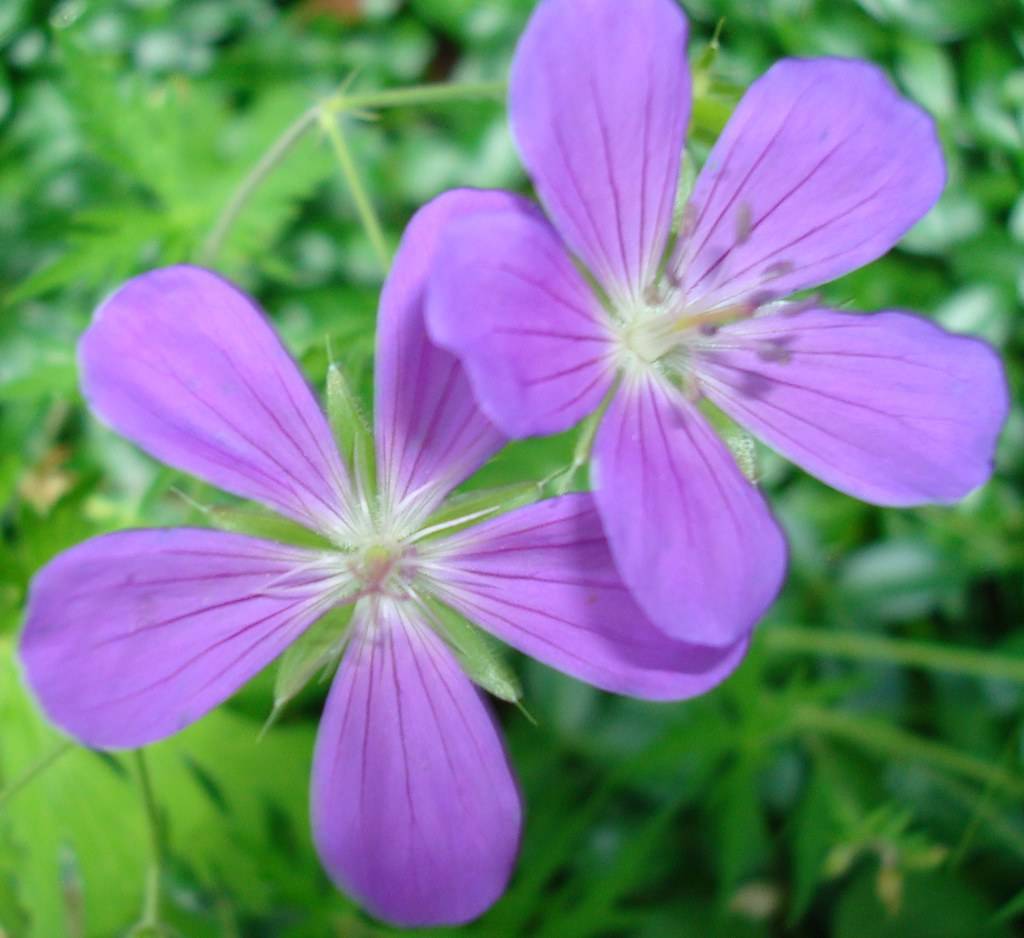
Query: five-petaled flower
[[132, 635], [821, 169]]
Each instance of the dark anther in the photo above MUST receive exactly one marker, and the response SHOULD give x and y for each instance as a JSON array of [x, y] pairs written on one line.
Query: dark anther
[[744, 223], [778, 269]]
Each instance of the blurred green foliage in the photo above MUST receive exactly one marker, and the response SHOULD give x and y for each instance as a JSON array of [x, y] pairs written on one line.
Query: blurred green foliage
[[831, 787]]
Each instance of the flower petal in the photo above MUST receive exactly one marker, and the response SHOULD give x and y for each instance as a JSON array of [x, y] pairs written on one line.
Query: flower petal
[[887, 406], [415, 810], [430, 432], [186, 366], [599, 99], [693, 539], [131, 636], [821, 169], [507, 299], [543, 580]]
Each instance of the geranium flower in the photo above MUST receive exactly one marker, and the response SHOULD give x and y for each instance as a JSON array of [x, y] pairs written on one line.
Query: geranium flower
[[133, 635], [821, 169]]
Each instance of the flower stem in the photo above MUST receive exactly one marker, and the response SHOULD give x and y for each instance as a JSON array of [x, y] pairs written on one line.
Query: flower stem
[[35, 770], [892, 741], [331, 125], [562, 480], [264, 167], [151, 902], [335, 104], [927, 655], [418, 94]]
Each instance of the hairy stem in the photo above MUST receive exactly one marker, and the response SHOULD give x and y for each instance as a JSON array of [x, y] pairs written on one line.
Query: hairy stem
[[264, 167], [419, 94], [917, 654], [331, 125], [151, 902], [335, 104], [35, 770], [894, 742]]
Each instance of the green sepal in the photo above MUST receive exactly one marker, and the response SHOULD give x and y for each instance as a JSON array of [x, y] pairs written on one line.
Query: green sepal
[[253, 519], [351, 429], [318, 649], [476, 505], [478, 654], [741, 444]]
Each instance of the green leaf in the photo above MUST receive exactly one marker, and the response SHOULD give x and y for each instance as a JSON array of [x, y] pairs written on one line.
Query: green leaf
[[814, 835], [742, 841], [932, 907], [84, 814]]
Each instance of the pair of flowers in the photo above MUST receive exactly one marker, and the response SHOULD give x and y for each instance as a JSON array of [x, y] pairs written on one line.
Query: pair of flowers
[[497, 322]]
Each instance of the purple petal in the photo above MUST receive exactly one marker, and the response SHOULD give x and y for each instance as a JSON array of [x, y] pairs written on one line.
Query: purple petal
[[599, 101], [543, 580], [822, 168], [131, 636], [430, 432], [887, 407], [415, 810], [508, 300], [186, 366], [693, 539]]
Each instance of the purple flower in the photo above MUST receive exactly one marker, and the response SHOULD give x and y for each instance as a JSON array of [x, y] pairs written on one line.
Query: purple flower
[[821, 169], [131, 636]]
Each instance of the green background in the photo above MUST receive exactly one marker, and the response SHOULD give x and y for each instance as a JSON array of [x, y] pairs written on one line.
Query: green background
[[862, 774]]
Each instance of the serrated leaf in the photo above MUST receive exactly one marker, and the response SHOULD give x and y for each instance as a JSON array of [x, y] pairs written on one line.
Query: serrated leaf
[[478, 653], [742, 840], [814, 835], [84, 810]]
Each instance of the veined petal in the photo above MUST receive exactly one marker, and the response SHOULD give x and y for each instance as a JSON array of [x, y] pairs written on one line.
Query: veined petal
[[415, 810], [543, 580], [430, 432], [599, 99], [822, 168], [507, 299], [887, 406], [693, 539], [186, 366], [131, 636]]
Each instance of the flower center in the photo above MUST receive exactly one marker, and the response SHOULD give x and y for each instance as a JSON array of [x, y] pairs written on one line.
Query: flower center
[[381, 567], [662, 330]]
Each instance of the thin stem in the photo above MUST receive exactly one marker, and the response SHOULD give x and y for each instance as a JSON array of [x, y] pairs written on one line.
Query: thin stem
[[267, 163], [151, 903], [335, 104], [364, 206], [419, 94], [35, 770], [887, 739], [927, 655], [563, 479]]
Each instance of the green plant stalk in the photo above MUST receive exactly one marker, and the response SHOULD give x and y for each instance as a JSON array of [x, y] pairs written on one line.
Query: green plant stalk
[[418, 94], [331, 126], [895, 742], [907, 652], [336, 104], [151, 901], [35, 770], [267, 163]]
